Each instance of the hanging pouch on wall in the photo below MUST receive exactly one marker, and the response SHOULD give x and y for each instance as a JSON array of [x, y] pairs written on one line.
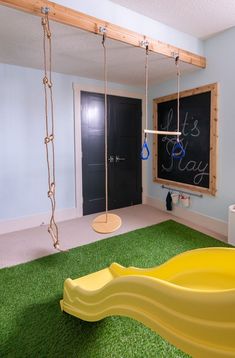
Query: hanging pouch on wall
[[175, 198], [185, 201], [169, 201]]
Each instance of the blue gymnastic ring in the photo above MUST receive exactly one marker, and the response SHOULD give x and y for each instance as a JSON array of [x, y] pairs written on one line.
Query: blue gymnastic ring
[[145, 149], [178, 151]]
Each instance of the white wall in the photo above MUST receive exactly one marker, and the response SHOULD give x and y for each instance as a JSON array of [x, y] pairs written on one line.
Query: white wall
[[220, 56], [121, 16], [23, 174]]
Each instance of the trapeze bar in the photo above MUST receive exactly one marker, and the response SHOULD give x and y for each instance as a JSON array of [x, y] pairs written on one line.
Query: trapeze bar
[[161, 132], [182, 191]]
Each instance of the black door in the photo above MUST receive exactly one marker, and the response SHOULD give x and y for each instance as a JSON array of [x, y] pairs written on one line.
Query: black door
[[124, 145]]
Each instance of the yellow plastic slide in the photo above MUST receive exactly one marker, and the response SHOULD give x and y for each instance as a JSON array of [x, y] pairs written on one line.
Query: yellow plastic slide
[[189, 300]]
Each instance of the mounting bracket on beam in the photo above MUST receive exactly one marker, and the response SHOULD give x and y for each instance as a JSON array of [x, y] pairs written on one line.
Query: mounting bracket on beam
[[175, 55], [102, 29], [144, 43], [68, 16], [45, 10]]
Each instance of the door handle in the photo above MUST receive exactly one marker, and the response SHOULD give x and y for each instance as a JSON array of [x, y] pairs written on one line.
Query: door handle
[[118, 159], [111, 159]]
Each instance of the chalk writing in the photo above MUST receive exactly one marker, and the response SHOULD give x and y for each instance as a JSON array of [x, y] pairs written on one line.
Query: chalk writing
[[191, 128], [194, 167]]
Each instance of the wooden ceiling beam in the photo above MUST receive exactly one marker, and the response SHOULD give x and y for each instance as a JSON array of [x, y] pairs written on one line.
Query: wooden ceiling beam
[[85, 22]]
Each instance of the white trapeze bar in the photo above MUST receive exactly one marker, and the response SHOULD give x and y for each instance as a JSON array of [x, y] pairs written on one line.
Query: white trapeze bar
[[161, 132]]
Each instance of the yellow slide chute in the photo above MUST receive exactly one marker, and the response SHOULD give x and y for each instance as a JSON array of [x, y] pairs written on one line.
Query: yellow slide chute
[[189, 300]]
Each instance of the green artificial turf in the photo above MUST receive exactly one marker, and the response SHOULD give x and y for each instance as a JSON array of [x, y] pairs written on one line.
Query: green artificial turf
[[32, 325]]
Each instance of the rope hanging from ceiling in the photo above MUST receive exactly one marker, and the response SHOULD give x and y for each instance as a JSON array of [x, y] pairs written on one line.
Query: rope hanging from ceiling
[[178, 151], [145, 152], [106, 223], [49, 126]]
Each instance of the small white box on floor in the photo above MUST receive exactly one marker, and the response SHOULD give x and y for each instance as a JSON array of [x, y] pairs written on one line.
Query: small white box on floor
[[231, 225]]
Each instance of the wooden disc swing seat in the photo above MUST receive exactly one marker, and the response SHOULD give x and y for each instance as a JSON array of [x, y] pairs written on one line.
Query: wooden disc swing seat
[[106, 223]]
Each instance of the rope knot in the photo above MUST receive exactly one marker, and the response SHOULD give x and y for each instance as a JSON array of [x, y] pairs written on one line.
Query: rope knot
[[49, 139], [44, 21], [53, 235], [45, 80], [51, 192], [53, 187]]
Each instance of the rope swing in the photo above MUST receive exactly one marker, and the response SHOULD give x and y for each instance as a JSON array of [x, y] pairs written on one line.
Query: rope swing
[[178, 150], [49, 126], [106, 223], [145, 152]]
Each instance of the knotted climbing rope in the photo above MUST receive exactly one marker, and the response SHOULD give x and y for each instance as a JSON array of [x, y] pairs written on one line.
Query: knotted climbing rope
[[49, 126]]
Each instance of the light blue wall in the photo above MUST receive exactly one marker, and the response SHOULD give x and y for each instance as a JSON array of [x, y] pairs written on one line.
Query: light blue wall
[[220, 56], [23, 174], [23, 183], [121, 16]]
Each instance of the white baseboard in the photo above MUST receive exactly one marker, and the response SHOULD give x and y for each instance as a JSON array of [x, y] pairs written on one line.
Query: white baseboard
[[23, 223], [218, 226]]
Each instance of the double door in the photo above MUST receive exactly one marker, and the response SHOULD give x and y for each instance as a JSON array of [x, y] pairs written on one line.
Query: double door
[[124, 146]]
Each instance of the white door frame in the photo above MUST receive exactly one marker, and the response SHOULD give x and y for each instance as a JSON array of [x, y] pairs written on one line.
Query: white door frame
[[77, 88]]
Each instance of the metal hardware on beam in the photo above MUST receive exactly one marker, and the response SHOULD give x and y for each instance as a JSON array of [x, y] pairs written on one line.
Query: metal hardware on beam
[[144, 43], [182, 191], [45, 10], [102, 29], [175, 55]]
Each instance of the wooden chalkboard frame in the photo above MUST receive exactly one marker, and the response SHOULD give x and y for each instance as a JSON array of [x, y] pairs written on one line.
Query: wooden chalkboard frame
[[213, 145]]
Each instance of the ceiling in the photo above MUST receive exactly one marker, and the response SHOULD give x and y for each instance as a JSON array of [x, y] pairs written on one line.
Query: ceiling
[[77, 52], [200, 18]]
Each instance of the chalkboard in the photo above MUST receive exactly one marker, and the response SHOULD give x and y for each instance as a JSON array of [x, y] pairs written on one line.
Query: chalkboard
[[198, 125]]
